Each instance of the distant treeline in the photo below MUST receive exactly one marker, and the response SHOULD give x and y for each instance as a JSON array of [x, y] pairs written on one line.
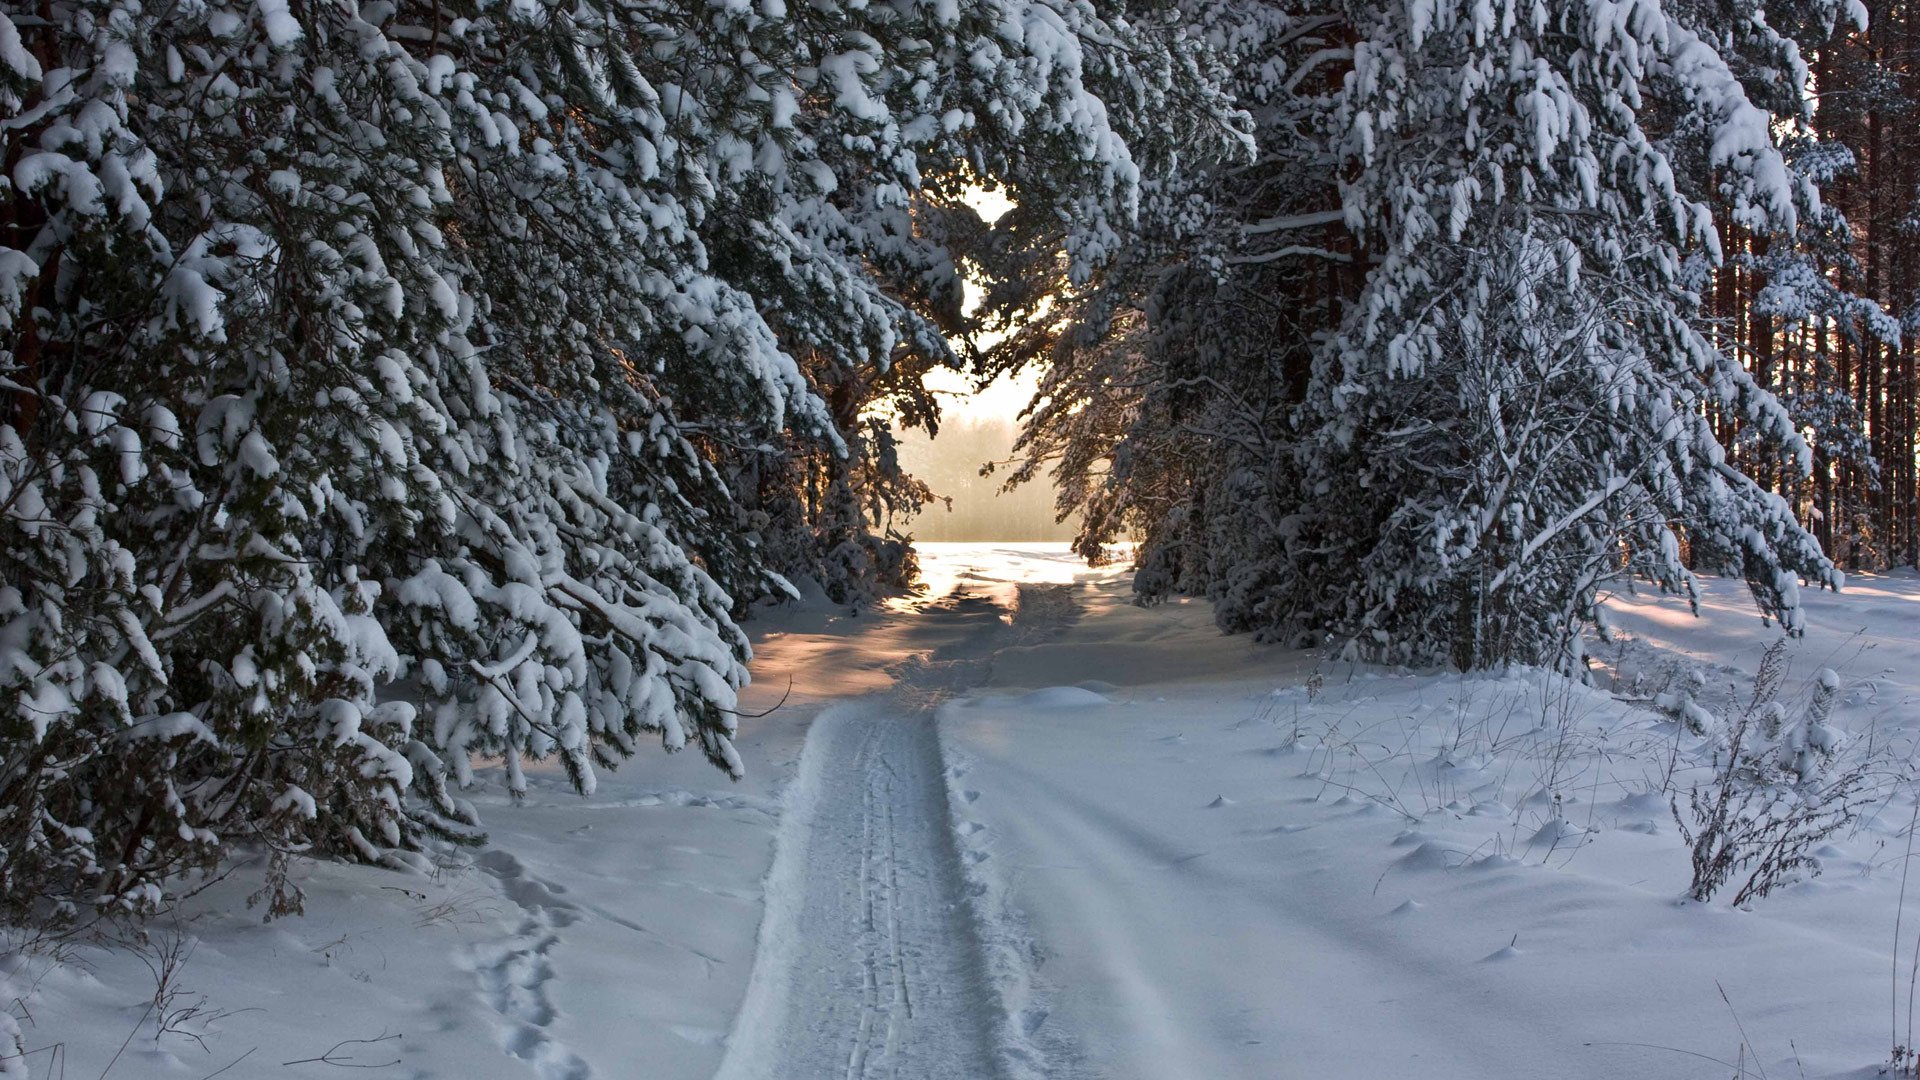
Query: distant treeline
[[972, 507]]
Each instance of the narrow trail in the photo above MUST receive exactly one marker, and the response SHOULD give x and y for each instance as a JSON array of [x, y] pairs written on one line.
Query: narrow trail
[[869, 965]]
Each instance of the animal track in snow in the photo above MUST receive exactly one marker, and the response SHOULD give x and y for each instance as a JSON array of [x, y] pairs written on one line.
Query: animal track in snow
[[513, 974]]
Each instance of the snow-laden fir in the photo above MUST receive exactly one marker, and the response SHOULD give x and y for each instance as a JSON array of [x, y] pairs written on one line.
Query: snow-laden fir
[[382, 378], [1432, 371]]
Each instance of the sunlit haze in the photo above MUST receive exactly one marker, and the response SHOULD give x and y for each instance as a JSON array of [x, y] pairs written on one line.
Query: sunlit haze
[[978, 426], [1003, 398]]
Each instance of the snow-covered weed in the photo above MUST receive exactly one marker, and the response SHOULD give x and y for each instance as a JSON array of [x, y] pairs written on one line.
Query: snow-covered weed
[[278, 893], [175, 1010], [1775, 793], [459, 910], [1905, 1058], [1769, 832]]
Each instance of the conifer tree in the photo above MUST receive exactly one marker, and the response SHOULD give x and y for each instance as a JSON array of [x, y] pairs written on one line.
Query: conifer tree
[[376, 375], [1435, 370]]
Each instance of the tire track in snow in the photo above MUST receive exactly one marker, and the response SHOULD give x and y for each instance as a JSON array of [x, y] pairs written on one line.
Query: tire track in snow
[[867, 967], [870, 964]]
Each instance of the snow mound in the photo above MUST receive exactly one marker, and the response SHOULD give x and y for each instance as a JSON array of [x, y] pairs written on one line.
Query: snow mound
[[1645, 802], [1428, 856], [1559, 831], [1062, 697]]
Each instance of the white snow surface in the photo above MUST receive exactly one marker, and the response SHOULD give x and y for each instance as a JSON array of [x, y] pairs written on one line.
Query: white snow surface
[[1014, 826]]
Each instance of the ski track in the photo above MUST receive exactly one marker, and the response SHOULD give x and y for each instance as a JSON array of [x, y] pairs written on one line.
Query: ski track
[[871, 965]]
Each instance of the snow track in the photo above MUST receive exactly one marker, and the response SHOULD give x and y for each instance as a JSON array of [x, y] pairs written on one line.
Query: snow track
[[887, 981], [513, 974], [870, 964]]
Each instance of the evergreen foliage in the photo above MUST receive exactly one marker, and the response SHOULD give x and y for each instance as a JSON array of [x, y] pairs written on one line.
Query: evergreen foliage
[[1437, 369], [380, 376], [389, 386]]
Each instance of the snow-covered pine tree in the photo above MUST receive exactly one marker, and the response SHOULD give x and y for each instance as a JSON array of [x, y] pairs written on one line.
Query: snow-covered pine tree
[[375, 372], [1064, 106], [1170, 377], [284, 429], [1512, 414], [177, 661], [1172, 366], [1473, 387]]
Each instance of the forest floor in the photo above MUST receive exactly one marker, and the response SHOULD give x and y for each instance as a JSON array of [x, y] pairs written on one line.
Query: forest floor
[[1013, 826]]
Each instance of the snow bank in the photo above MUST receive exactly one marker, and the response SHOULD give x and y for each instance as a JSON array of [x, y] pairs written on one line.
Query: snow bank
[[1469, 877], [1061, 697]]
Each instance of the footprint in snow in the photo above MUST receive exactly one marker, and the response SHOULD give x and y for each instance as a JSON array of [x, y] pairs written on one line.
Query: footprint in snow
[[699, 1036], [513, 974], [1032, 1019]]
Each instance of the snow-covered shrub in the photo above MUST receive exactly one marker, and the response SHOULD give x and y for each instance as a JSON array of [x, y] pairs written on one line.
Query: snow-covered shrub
[[1767, 832], [1812, 744], [1680, 704]]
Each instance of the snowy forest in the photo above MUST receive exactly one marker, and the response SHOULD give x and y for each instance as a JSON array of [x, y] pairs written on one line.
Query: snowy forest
[[390, 385], [399, 400]]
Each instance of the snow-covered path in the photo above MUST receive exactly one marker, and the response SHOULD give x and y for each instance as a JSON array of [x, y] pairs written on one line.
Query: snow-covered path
[[869, 963], [1077, 839], [1016, 828], [882, 978]]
